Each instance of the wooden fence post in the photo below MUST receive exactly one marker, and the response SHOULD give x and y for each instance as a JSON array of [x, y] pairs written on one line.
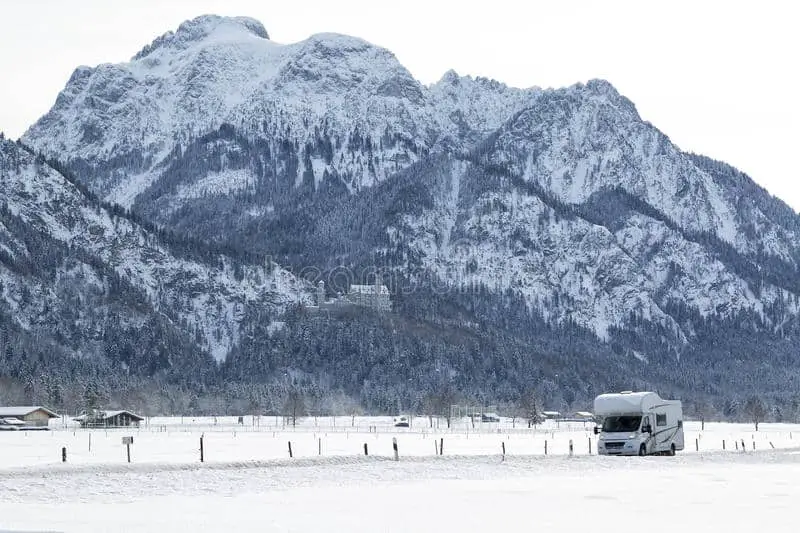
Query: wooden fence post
[[570, 447], [394, 447], [290, 450], [441, 446], [503, 446], [64, 454], [366, 452], [201, 449], [320, 445], [545, 446], [590, 445]]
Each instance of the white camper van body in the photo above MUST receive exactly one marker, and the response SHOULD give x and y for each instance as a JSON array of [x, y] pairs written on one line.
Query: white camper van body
[[626, 418]]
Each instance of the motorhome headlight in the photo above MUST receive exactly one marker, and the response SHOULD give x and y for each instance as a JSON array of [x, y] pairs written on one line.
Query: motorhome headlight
[[631, 436]]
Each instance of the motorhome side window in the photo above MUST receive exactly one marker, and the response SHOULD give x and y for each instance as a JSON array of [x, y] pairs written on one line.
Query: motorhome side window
[[661, 420]]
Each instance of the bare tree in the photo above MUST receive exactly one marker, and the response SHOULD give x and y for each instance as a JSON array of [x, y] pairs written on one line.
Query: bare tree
[[255, 400], [755, 409], [438, 403], [515, 411], [529, 407], [703, 409], [295, 405]]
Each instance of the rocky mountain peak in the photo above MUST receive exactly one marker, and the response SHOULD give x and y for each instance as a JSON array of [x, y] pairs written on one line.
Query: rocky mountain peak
[[206, 28]]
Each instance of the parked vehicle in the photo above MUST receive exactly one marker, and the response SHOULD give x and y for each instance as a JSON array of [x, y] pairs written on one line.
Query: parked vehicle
[[11, 424], [638, 423], [402, 422]]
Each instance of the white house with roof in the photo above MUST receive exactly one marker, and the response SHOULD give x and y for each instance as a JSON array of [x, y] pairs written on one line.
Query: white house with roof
[[31, 415]]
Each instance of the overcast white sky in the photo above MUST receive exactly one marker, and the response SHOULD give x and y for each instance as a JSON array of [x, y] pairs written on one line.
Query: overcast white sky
[[718, 77]]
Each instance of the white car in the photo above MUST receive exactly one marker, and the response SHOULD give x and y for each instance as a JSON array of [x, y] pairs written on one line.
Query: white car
[[10, 424]]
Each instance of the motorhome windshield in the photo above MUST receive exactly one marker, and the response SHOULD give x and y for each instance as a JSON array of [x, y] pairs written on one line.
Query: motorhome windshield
[[621, 424]]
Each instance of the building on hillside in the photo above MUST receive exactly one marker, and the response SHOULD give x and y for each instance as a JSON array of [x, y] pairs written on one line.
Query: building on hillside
[[32, 415], [551, 415], [375, 296], [109, 419], [400, 158]]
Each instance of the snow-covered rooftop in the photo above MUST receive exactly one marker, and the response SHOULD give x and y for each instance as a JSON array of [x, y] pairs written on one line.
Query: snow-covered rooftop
[[105, 415], [112, 414], [626, 402], [24, 410], [368, 289]]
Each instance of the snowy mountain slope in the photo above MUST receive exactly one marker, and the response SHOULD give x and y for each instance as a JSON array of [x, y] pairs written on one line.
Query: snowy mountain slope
[[205, 301], [566, 269], [471, 108], [577, 141], [216, 70], [327, 153], [485, 228], [120, 123]]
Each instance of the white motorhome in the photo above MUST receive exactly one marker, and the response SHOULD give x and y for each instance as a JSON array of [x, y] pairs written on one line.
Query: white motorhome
[[638, 423]]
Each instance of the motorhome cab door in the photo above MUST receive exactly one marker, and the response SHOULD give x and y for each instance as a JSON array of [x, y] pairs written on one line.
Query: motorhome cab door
[[647, 423]]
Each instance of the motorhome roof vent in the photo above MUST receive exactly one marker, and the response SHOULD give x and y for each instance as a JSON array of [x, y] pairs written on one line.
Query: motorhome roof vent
[[627, 392]]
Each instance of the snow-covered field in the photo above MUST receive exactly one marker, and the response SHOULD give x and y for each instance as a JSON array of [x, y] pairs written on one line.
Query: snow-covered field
[[176, 440], [249, 483]]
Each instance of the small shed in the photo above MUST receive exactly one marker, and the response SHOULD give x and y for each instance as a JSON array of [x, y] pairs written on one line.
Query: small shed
[[122, 419], [32, 415], [551, 415], [109, 419]]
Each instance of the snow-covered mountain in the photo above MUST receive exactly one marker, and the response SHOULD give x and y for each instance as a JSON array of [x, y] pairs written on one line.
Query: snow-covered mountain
[[575, 199], [71, 270], [327, 153], [121, 124]]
